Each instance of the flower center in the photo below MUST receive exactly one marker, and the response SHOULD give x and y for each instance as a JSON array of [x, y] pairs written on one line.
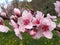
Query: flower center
[[37, 22], [26, 22], [45, 27], [1, 23], [18, 15]]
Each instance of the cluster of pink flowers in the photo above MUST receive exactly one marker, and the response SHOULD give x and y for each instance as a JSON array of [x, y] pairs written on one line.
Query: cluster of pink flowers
[[32, 23], [35, 25]]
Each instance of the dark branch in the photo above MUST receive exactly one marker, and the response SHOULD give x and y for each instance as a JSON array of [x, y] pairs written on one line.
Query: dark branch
[[5, 17], [57, 28]]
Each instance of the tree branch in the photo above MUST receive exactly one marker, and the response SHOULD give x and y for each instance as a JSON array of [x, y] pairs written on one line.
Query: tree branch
[[5, 17], [57, 28]]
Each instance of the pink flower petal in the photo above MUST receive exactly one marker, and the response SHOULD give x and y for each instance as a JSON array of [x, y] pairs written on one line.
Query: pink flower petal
[[22, 28], [27, 15], [17, 33], [29, 26], [4, 28], [12, 23], [52, 26], [39, 15], [38, 35], [33, 33], [48, 34]]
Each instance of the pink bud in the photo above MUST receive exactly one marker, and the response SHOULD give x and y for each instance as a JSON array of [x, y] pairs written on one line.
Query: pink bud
[[17, 12]]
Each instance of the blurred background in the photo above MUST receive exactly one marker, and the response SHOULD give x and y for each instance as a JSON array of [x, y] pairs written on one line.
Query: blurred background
[[46, 6]]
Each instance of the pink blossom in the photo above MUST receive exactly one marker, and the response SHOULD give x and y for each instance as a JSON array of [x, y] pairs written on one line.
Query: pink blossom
[[21, 25], [18, 33], [27, 18], [16, 29], [17, 12], [57, 7], [38, 18], [3, 28], [37, 34], [45, 29]]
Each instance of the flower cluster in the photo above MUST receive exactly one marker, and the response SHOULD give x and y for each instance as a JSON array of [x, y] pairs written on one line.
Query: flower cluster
[[32, 23]]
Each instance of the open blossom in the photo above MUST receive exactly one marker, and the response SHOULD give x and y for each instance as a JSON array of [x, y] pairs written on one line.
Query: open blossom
[[57, 7], [16, 29], [3, 28], [25, 21], [38, 18], [45, 29], [27, 18]]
